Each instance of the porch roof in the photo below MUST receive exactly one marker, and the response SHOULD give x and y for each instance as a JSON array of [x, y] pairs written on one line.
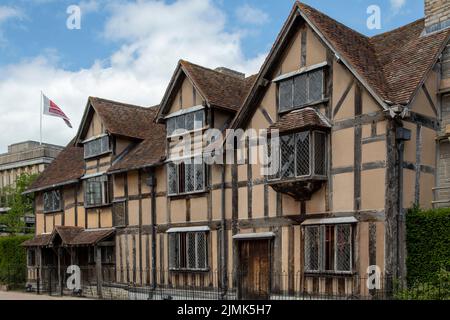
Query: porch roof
[[70, 236], [41, 240]]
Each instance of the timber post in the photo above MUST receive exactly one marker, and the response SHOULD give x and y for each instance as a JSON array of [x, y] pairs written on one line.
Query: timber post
[[98, 267]]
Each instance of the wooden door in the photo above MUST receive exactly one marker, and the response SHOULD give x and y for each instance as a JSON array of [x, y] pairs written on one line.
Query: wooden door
[[254, 269]]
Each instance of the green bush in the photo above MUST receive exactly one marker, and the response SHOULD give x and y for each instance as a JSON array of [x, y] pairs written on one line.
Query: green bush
[[13, 260], [428, 244]]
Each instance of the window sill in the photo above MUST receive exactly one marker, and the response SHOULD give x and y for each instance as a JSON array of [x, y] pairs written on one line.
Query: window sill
[[97, 155], [330, 273], [311, 104], [186, 133], [54, 211], [97, 206], [189, 270], [195, 194]]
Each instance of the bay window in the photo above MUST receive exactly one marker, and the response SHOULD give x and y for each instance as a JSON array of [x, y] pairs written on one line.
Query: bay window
[[302, 154]]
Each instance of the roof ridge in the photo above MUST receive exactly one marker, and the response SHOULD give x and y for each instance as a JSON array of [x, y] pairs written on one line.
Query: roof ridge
[[300, 4], [124, 104], [212, 70], [408, 25]]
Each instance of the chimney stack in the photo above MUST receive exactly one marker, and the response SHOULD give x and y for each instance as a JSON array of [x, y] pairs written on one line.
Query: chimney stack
[[437, 15], [231, 72]]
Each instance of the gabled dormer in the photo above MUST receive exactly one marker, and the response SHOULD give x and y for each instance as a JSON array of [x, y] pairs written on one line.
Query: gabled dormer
[[197, 99]]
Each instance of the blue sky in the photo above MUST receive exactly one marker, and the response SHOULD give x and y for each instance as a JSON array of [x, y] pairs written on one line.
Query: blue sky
[[127, 50]]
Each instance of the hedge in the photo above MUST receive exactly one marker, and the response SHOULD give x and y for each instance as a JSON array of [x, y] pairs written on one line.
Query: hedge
[[428, 244], [13, 260]]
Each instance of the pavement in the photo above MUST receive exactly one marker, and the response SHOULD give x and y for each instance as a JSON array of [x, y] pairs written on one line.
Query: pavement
[[15, 295]]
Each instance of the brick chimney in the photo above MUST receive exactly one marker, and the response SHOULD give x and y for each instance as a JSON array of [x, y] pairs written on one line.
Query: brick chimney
[[437, 15], [231, 72]]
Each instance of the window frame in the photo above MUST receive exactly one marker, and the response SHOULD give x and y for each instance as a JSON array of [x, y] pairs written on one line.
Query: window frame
[[181, 168], [175, 119], [292, 78], [31, 257], [104, 183], [312, 156], [322, 249], [96, 139], [185, 255], [52, 193]]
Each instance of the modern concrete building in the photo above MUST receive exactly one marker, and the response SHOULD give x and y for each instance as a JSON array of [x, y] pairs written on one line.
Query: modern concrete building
[[23, 157]]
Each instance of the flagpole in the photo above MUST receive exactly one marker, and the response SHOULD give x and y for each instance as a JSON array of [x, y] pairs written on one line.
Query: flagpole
[[41, 112]]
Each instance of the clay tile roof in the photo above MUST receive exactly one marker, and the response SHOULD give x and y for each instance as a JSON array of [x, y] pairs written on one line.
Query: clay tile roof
[[90, 237], [67, 167], [66, 233], [406, 56], [300, 119], [41, 240], [124, 119], [219, 89], [393, 63], [149, 152]]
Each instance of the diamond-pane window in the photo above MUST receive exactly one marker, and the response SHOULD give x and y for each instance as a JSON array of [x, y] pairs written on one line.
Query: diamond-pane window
[[312, 248], [302, 154], [287, 156], [285, 91], [315, 82], [52, 201], [343, 247], [188, 251], [301, 90], [319, 153], [328, 248]]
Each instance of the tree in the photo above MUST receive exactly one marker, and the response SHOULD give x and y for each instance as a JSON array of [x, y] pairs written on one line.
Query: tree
[[19, 204]]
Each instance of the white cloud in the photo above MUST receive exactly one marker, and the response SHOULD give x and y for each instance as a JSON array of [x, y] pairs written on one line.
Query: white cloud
[[153, 36], [251, 15], [9, 13], [396, 5]]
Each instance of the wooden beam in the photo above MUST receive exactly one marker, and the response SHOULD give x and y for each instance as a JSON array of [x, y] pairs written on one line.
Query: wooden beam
[[357, 152], [342, 98], [418, 163], [430, 100]]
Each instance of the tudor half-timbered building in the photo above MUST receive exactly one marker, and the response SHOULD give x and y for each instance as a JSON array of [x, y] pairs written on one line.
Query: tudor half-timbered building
[[363, 136]]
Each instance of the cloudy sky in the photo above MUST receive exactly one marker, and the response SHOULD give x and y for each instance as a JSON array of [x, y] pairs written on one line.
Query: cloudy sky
[[127, 50]]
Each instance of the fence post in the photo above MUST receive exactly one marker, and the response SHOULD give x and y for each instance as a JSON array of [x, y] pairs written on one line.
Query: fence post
[[98, 266]]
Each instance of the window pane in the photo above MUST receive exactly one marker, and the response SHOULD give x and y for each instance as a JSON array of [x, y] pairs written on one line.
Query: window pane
[[312, 248], [189, 177], [316, 86], [105, 144], [329, 248], [201, 250], [172, 178], [302, 153], [285, 93], [287, 156], [190, 121], [199, 177], [199, 119], [170, 126], [343, 247], [181, 125], [319, 153], [192, 257], [300, 90], [173, 251]]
